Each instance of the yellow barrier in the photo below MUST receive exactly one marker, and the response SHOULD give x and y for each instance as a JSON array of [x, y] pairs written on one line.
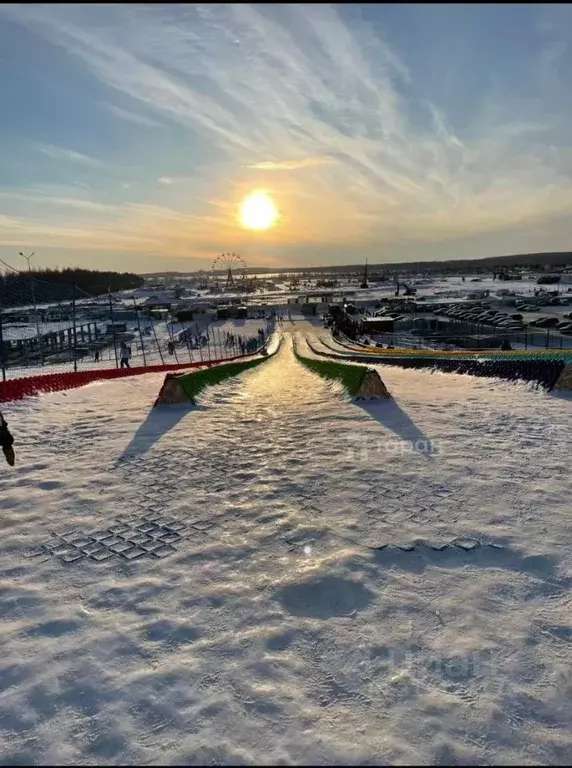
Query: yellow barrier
[[456, 352]]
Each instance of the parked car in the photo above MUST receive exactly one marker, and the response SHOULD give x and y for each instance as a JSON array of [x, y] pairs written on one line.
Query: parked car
[[545, 322], [505, 323]]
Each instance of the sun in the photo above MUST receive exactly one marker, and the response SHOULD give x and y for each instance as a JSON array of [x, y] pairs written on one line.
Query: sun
[[257, 211]]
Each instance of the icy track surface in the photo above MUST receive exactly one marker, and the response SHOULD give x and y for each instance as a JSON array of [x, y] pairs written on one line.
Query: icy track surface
[[274, 631]]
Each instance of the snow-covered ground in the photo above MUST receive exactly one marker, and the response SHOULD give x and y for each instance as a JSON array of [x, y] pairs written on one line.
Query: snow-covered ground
[[274, 631]]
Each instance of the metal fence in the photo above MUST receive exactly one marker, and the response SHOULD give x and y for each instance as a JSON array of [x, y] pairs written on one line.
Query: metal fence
[[459, 334], [48, 327], [526, 339]]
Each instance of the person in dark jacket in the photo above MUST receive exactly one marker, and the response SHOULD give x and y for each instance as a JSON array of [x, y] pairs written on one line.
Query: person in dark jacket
[[7, 442], [124, 355]]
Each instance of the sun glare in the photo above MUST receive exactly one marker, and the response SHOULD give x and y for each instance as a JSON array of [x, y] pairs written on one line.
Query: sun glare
[[257, 211]]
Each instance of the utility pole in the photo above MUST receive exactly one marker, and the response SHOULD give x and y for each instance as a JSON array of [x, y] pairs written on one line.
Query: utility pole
[[364, 283], [140, 334], [158, 345], [2, 360], [74, 329], [28, 259], [113, 327]]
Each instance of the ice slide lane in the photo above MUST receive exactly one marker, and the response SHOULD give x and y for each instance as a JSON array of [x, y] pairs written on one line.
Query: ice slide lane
[[553, 374], [273, 634]]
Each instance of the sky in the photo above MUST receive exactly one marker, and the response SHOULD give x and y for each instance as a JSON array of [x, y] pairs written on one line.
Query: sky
[[130, 134]]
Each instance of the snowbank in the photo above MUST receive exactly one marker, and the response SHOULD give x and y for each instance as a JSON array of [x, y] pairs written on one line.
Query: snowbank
[[276, 630]]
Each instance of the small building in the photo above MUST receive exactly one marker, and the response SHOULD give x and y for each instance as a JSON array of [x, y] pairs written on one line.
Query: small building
[[125, 315], [115, 327], [373, 325], [159, 314], [155, 302], [231, 310]]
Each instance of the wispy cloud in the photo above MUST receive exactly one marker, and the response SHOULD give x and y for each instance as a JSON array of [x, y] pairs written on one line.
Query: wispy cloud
[[291, 165], [59, 153], [386, 165], [34, 197], [134, 117]]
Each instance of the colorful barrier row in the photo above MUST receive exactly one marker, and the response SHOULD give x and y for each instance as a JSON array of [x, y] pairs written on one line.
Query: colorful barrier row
[[546, 371], [16, 389], [469, 354]]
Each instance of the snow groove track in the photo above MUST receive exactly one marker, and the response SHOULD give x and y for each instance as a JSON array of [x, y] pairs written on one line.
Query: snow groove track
[[544, 371], [369, 584]]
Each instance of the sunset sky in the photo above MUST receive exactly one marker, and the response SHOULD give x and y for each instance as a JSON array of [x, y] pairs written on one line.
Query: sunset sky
[[131, 134]]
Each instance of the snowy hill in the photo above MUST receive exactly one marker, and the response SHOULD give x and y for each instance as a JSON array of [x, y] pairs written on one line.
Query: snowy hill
[[338, 583]]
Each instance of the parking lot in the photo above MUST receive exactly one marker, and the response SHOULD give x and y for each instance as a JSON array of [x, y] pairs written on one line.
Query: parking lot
[[548, 326]]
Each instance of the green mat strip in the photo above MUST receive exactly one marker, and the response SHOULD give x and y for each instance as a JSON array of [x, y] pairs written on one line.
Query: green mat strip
[[193, 383], [351, 376]]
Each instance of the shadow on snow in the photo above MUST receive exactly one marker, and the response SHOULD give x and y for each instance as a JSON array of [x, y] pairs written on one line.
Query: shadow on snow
[[159, 421], [390, 415]]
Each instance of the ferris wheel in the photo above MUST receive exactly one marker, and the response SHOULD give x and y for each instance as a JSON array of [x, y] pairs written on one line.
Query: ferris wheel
[[230, 264]]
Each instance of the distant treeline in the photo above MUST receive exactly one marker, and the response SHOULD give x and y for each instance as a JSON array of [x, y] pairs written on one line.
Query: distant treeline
[[48, 285], [538, 261], [541, 261]]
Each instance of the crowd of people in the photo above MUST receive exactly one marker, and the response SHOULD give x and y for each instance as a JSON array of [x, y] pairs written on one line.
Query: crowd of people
[[248, 345], [279, 316], [239, 344]]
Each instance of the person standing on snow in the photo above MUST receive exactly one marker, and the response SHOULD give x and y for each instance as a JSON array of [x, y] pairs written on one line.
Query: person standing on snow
[[124, 355], [7, 442]]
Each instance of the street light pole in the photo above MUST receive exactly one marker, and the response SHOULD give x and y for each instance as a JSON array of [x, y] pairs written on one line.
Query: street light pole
[[2, 358], [28, 259]]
